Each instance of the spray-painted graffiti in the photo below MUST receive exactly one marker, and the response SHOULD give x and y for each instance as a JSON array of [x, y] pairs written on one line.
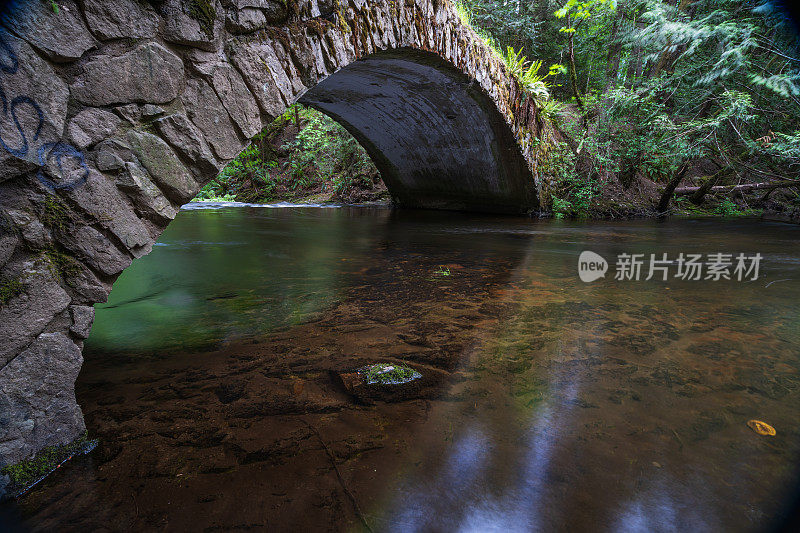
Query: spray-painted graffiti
[[9, 65], [58, 151]]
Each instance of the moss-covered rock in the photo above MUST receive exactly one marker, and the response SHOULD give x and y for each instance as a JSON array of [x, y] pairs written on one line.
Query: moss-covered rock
[[61, 265], [55, 215], [388, 374], [9, 288], [392, 382], [25, 474], [205, 14]]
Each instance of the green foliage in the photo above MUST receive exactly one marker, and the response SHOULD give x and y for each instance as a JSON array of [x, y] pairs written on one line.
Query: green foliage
[[501, 22], [54, 6], [442, 271], [389, 374], [727, 208], [26, 473], [325, 151], [247, 166], [323, 154], [551, 109], [582, 10], [637, 129], [464, 13], [784, 147], [9, 288], [572, 191], [212, 193], [527, 73]]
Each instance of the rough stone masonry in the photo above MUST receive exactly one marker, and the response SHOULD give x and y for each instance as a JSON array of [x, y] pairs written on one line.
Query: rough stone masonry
[[116, 112]]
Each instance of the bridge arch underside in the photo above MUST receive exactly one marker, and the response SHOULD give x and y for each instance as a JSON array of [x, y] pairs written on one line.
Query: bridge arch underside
[[115, 113], [436, 137]]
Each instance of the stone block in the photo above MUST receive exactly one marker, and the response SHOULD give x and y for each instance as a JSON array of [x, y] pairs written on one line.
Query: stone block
[[41, 106], [247, 57], [147, 74], [92, 247], [101, 200], [62, 36], [179, 132], [37, 398], [91, 126], [246, 20], [206, 111], [237, 99], [82, 318], [111, 155], [163, 165], [196, 24], [25, 316], [121, 19], [146, 197]]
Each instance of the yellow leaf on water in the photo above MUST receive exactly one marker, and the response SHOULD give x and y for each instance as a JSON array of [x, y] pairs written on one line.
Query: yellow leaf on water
[[762, 428]]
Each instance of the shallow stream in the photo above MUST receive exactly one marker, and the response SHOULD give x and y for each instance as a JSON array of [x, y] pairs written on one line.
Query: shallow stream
[[211, 378]]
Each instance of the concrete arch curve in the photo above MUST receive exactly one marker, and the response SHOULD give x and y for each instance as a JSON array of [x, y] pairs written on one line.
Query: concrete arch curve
[[116, 112]]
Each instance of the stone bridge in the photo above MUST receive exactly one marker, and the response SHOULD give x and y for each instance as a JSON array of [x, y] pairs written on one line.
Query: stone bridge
[[116, 112]]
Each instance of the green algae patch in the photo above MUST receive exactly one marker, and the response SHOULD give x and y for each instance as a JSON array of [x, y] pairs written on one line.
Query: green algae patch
[[60, 264], [26, 474], [9, 288], [55, 215], [205, 14], [388, 374]]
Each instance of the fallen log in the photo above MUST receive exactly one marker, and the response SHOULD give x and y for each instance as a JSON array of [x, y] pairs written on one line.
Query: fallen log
[[682, 191]]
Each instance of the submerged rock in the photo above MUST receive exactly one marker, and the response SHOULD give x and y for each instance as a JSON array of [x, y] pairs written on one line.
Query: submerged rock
[[387, 374], [389, 382]]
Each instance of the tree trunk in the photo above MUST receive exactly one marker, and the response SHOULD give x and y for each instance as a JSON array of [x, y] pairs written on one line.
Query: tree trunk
[[698, 196], [634, 61], [666, 196], [612, 61], [666, 61], [573, 75]]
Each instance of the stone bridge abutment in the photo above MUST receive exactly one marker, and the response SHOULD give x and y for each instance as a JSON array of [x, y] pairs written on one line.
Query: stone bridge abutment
[[116, 112]]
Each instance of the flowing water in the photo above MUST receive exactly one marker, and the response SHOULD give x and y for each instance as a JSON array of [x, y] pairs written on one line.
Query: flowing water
[[212, 379]]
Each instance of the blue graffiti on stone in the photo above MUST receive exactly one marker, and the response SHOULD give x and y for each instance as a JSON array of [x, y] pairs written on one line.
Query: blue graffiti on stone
[[59, 150], [23, 150], [46, 151]]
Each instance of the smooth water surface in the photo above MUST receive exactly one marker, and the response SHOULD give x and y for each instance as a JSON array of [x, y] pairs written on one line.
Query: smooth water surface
[[212, 378]]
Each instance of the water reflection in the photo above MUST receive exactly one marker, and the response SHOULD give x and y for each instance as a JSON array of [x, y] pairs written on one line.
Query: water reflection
[[620, 410], [224, 274]]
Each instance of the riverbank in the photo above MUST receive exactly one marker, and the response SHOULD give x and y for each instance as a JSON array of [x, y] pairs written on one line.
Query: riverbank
[[306, 158], [302, 157], [599, 169]]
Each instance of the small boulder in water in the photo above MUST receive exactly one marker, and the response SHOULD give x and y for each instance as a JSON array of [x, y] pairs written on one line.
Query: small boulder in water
[[387, 374], [388, 382]]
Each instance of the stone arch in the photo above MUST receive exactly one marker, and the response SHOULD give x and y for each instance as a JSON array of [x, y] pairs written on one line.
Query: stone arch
[[114, 113]]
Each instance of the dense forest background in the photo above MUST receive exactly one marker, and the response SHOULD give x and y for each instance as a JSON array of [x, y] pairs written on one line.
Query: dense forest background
[[674, 106]]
